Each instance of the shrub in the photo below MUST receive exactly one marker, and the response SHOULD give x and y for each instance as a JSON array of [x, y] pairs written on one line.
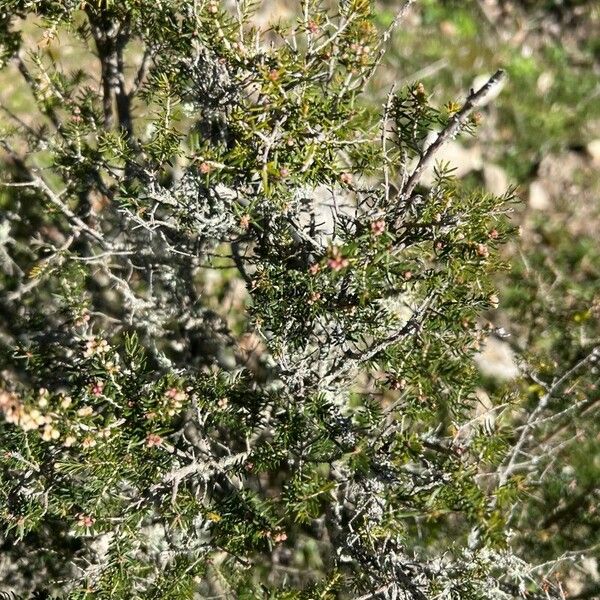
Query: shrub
[[169, 431]]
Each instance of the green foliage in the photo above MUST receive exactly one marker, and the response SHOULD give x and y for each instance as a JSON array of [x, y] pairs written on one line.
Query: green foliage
[[237, 356]]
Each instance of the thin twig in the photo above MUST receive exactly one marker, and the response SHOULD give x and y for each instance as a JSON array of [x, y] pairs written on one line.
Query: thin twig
[[532, 420], [455, 124]]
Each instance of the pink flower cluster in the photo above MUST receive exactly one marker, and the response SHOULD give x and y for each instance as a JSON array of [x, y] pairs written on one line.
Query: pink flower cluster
[[85, 520], [153, 439], [27, 418], [95, 347], [174, 399], [378, 227], [337, 262]]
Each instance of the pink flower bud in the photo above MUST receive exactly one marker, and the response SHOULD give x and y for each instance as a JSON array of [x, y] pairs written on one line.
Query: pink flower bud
[[337, 263], [153, 440], [378, 227]]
